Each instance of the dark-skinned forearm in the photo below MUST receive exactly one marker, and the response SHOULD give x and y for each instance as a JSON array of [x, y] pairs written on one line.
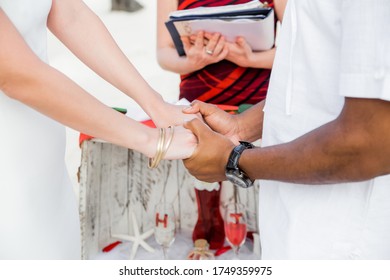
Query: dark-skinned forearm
[[352, 148]]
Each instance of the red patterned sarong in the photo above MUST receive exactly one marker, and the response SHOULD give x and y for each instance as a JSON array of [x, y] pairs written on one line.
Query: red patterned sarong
[[223, 82]]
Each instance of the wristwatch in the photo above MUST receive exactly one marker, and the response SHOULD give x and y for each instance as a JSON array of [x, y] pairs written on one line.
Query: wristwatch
[[233, 173]]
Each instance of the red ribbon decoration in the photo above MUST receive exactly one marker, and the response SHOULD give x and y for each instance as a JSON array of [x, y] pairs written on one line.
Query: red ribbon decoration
[[108, 248]]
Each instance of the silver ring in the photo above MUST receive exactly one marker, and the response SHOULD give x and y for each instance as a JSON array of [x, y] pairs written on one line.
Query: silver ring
[[209, 52]]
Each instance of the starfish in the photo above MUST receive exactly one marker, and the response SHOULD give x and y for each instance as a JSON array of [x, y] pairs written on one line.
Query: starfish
[[137, 239]]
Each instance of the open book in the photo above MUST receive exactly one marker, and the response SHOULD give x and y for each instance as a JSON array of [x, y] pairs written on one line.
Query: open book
[[251, 20]]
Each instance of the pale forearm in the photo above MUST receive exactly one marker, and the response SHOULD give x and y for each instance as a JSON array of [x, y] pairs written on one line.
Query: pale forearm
[[280, 6], [261, 59], [169, 60], [265, 59], [87, 37], [167, 55], [56, 96]]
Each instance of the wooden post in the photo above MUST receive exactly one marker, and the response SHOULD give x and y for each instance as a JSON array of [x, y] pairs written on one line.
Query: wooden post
[[125, 5]]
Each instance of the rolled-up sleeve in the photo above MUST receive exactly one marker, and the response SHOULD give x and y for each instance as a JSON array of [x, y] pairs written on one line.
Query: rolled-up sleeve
[[365, 49]]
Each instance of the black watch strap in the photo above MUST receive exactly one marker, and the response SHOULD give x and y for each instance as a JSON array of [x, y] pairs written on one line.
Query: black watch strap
[[236, 154]]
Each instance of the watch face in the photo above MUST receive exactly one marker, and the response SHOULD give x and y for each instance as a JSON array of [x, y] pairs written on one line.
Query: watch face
[[238, 181]]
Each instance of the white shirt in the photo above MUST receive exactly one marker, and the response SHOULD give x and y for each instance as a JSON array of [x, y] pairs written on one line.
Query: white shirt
[[328, 50]]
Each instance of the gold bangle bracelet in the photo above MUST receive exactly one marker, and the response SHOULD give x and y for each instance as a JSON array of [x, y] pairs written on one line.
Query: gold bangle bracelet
[[153, 162], [162, 146], [169, 141]]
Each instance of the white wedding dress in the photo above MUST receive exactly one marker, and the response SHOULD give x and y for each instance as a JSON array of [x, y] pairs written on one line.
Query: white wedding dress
[[38, 209]]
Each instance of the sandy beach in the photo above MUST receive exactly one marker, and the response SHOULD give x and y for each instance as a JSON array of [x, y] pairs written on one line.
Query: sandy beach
[[135, 34]]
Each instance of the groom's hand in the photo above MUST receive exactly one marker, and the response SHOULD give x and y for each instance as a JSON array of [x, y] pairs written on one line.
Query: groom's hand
[[209, 159], [217, 119]]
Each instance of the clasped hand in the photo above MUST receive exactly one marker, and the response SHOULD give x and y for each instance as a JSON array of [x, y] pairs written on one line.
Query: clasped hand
[[215, 141], [205, 48], [206, 140]]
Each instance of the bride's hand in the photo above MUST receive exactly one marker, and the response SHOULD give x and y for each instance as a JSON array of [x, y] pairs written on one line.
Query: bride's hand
[[168, 114], [183, 144]]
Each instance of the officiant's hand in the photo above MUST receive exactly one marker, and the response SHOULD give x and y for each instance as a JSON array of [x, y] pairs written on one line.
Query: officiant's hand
[[209, 159], [201, 51], [217, 119], [240, 53]]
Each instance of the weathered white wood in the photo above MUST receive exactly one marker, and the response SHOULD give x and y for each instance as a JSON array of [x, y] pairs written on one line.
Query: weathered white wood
[[115, 181], [83, 200], [135, 182], [119, 196], [89, 198], [104, 194]]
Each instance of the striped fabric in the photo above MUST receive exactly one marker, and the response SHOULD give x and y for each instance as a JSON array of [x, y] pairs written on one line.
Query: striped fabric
[[223, 82]]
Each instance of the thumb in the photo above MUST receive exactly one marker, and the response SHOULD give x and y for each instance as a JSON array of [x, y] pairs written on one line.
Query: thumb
[[198, 128], [205, 109], [242, 42], [191, 109]]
